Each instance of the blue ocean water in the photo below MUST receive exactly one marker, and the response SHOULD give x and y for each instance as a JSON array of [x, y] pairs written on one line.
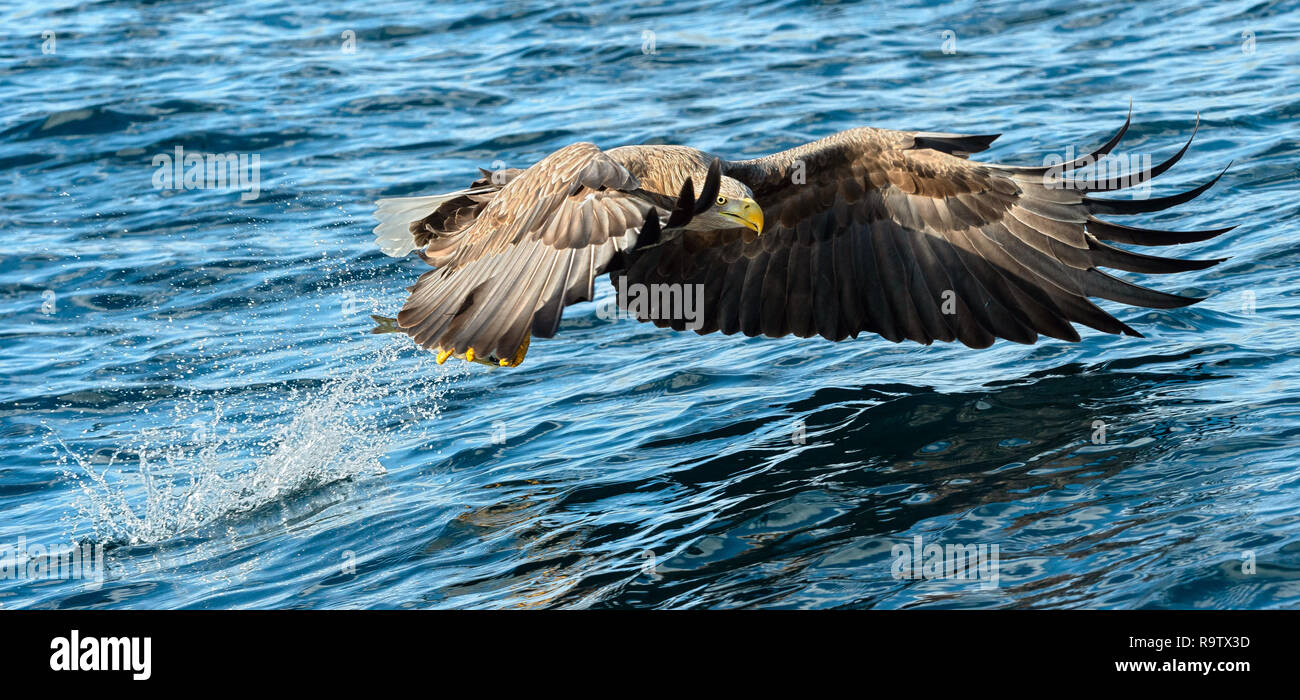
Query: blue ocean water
[[188, 383]]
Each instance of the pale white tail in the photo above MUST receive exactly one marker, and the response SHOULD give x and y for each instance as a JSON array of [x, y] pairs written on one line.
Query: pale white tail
[[393, 234]]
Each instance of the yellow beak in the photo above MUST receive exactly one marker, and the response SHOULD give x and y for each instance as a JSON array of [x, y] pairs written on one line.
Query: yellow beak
[[746, 211]]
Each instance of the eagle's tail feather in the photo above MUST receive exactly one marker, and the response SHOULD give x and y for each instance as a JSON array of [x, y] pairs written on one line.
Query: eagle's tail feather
[[393, 234], [385, 325]]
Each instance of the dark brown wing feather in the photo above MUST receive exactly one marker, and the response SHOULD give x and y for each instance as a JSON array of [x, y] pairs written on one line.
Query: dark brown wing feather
[[896, 233]]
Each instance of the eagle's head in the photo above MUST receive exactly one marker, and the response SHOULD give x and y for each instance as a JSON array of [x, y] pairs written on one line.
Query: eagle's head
[[733, 207]]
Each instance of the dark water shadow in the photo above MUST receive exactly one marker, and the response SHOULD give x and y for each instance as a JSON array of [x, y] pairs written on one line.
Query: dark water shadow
[[876, 446]]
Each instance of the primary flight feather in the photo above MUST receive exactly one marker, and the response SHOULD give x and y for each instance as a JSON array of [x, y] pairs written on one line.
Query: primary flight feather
[[891, 232]]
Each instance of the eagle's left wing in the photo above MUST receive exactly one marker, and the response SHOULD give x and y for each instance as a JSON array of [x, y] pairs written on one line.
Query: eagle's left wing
[[897, 233], [534, 249]]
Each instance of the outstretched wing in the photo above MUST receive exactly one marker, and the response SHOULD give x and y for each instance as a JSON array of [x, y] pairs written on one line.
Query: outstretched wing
[[535, 248], [898, 234]]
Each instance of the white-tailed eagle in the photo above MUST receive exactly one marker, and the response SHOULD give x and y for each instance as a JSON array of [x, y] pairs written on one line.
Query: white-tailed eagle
[[890, 232]]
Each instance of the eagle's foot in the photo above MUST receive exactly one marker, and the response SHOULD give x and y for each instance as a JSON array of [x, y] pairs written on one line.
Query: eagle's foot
[[491, 360]]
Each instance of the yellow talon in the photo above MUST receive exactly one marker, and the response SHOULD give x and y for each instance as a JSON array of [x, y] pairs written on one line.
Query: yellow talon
[[442, 356], [505, 362], [469, 355], [523, 350]]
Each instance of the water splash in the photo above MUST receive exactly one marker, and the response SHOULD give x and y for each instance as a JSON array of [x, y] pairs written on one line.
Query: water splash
[[210, 472]]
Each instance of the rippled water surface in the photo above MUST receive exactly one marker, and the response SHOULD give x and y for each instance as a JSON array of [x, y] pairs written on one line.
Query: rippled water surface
[[188, 380]]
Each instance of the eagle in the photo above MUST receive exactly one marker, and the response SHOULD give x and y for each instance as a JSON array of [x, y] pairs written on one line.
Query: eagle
[[896, 233]]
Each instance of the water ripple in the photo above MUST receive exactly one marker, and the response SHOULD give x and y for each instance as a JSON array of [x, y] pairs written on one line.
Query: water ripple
[[188, 376]]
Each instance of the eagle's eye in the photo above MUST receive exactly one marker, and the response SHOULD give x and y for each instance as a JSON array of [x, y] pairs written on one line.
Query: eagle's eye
[[721, 200]]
